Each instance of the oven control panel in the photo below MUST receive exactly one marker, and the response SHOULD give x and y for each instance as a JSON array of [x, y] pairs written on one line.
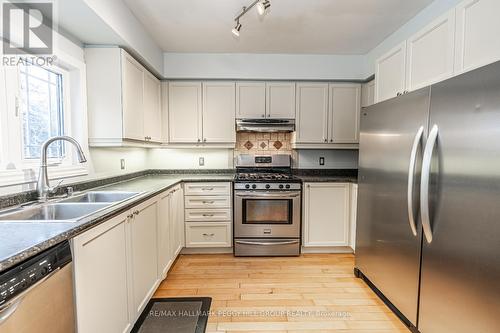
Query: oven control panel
[[268, 186]]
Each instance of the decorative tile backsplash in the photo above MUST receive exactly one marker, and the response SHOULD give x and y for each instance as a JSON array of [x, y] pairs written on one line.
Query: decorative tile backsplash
[[263, 143]]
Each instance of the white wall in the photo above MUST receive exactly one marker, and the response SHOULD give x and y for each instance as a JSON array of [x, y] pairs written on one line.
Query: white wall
[[426, 16], [263, 66], [189, 158], [334, 159], [137, 40]]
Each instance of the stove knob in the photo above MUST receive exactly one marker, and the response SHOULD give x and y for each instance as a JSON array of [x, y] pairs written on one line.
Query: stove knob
[[287, 186], [247, 186], [268, 186], [254, 186], [281, 186]]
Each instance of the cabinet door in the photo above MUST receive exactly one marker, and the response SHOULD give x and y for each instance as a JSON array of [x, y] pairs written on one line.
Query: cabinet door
[[326, 214], [250, 100], [219, 108], [312, 113], [132, 95], [354, 211], [152, 108], [177, 222], [390, 73], [144, 249], [100, 274], [430, 53], [164, 245], [477, 43], [368, 94], [179, 202], [164, 111], [185, 112], [345, 100], [280, 100]]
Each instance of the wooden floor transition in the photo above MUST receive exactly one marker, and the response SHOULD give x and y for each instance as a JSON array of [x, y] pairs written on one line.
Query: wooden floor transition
[[311, 293]]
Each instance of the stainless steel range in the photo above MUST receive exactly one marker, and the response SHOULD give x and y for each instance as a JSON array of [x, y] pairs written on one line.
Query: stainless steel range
[[267, 207]]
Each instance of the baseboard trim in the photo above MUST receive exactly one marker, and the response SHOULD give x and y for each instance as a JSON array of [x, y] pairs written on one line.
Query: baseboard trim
[[332, 249], [207, 250]]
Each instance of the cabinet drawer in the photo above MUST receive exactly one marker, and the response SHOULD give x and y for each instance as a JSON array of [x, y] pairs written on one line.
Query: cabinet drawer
[[207, 189], [208, 235], [207, 215], [207, 201]]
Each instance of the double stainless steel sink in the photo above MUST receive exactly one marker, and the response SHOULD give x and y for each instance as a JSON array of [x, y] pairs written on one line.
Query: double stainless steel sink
[[71, 209]]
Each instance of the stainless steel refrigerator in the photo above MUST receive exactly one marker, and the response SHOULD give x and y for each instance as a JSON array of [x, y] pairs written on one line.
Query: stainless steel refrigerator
[[428, 229]]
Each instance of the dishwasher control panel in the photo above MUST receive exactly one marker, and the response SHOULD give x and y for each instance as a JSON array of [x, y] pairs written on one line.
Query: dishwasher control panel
[[34, 270]]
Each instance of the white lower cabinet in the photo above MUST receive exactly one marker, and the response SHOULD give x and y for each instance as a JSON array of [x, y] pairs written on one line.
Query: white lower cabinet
[[208, 215], [212, 234], [143, 252], [100, 273], [326, 214], [119, 264]]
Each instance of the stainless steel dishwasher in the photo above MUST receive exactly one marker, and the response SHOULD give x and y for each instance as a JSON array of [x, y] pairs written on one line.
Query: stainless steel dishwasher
[[37, 295]]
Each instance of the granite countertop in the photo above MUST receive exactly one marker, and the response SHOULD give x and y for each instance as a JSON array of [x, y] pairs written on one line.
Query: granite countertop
[[22, 240], [327, 175], [328, 179]]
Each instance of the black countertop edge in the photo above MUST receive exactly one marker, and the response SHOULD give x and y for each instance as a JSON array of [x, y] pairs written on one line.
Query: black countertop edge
[[326, 172]]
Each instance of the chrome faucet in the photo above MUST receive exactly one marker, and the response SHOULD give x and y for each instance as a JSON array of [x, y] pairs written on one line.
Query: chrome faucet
[[43, 187]]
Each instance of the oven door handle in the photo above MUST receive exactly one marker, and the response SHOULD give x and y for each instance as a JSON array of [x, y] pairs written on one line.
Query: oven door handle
[[253, 195], [266, 243]]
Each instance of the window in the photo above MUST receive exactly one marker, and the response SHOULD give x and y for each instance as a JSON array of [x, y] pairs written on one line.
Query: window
[[42, 110]]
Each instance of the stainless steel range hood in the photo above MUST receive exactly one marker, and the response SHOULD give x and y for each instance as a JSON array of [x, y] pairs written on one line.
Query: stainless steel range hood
[[265, 125]]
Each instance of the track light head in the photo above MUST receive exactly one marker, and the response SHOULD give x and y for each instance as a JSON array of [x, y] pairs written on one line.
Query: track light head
[[263, 6], [236, 29]]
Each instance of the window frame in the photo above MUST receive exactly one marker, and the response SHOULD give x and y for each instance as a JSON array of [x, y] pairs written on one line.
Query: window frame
[[68, 159], [13, 172]]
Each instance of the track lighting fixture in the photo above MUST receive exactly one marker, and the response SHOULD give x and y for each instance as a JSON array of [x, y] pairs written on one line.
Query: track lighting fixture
[[236, 29], [262, 8]]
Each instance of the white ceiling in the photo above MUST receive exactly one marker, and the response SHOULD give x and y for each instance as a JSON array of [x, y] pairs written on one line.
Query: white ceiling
[[292, 26]]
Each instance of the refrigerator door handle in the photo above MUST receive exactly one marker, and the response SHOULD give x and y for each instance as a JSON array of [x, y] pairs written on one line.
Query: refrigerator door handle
[[424, 186], [411, 177]]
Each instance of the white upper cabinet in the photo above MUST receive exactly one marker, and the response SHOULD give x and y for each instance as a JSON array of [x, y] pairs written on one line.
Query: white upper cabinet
[[477, 41], [430, 53], [185, 112], [133, 112], [345, 107], [368, 94], [280, 100], [123, 100], [219, 112], [250, 100], [312, 113], [152, 108], [164, 111], [390, 72]]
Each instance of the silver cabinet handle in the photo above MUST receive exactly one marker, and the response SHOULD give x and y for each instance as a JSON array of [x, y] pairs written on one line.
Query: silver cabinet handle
[[136, 212], [411, 177], [207, 189], [205, 140], [326, 140], [208, 215], [208, 235], [266, 243], [263, 116], [208, 202], [424, 182]]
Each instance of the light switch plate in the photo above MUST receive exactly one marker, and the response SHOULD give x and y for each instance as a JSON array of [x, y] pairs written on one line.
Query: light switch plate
[[122, 164], [201, 161], [321, 161]]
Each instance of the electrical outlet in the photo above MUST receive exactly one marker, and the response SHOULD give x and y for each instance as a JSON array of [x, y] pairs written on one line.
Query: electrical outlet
[[201, 161], [122, 164], [321, 161]]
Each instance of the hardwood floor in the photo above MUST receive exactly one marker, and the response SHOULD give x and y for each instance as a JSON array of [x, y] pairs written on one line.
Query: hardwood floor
[[311, 293]]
